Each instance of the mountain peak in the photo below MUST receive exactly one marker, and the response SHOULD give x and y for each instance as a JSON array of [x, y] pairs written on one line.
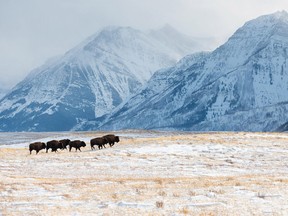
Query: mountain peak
[[281, 14], [118, 29], [167, 28], [270, 19], [255, 35], [169, 31]]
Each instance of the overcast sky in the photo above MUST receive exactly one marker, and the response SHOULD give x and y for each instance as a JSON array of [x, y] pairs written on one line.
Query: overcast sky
[[32, 31]]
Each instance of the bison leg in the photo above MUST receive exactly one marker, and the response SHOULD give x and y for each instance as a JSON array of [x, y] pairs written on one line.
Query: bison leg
[[79, 149], [70, 147], [37, 151], [30, 151]]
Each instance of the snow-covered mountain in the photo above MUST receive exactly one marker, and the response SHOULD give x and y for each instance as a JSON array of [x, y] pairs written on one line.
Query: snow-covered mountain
[[88, 81], [242, 85]]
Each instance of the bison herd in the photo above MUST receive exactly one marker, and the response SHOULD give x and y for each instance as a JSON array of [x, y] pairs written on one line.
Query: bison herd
[[54, 145]]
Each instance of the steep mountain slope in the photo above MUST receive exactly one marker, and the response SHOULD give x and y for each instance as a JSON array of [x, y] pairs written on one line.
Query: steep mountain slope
[[87, 82], [242, 85]]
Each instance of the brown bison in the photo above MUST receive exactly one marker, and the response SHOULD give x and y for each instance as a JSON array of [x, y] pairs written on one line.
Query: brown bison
[[76, 144], [54, 145], [111, 138], [65, 143], [37, 146], [99, 141]]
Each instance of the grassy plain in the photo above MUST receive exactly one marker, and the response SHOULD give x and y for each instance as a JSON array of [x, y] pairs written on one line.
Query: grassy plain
[[149, 173]]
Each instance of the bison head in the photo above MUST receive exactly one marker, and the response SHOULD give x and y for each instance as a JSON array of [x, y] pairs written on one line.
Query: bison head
[[83, 144], [117, 139]]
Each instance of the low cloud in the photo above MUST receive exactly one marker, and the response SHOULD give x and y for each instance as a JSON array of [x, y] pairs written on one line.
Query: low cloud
[[33, 31]]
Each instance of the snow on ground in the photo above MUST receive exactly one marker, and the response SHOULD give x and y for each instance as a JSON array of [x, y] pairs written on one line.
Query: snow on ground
[[147, 173]]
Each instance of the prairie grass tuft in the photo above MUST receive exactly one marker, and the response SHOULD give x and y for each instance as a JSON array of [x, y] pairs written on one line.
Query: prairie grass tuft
[[159, 204]]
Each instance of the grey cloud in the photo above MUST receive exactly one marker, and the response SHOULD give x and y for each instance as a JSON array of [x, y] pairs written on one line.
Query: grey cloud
[[32, 31]]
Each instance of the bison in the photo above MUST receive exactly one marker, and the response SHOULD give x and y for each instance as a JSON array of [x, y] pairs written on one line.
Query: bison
[[54, 145], [111, 138], [37, 146], [99, 141], [65, 143], [76, 144]]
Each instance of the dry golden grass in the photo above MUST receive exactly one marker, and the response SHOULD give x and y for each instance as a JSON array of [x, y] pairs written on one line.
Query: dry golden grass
[[223, 174]]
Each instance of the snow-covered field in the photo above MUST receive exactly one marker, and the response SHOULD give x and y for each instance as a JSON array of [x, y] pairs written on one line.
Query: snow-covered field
[[147, 173]]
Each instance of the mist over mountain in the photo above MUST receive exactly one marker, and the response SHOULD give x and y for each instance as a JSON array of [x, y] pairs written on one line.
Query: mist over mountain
[[240, 86], [3, 92], [90, 80], [182, 43]]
